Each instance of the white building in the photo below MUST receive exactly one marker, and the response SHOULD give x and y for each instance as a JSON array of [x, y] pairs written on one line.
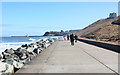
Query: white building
[[112, 15]]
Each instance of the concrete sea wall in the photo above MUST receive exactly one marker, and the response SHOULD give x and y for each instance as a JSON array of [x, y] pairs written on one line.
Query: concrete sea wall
[[115, 48]]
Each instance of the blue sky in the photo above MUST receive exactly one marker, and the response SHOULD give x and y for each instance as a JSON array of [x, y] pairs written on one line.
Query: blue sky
[[35, 18]]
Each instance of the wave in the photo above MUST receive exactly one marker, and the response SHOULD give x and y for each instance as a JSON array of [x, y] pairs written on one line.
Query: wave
[[31, 39], [14, 45]]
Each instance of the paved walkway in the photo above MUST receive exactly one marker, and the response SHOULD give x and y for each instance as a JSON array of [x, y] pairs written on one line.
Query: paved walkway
[[61, 57]]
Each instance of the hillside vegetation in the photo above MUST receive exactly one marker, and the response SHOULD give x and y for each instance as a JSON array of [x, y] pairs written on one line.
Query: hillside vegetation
[[103, 30]]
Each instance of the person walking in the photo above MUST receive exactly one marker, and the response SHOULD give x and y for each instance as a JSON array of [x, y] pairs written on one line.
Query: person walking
[[64, 37], [67, 37], [72, 39], [76, 38]]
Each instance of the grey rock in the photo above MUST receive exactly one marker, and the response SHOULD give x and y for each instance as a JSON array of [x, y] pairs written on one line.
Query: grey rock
[[6, 55], [24, 46], [1, 57], [25, 61], [16, 64], [10, 51], [37, 50], [6, 68]]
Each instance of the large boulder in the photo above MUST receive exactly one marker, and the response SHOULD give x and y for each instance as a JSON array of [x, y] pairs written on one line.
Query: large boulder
[[24, 46], [25, 61], [16, 64], [22, 53], [10, 51], [1, 56], [30, 49], [6, 68], [6, 55], [37, 50]]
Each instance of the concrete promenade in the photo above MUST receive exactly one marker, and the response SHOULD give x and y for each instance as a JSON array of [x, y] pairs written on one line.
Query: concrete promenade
[[61, 57]]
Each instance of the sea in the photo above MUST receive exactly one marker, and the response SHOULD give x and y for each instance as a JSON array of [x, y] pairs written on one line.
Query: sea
[[15, 42]]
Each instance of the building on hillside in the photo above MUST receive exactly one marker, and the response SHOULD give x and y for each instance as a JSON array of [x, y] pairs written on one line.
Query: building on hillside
[[62, 31], [112, 15]]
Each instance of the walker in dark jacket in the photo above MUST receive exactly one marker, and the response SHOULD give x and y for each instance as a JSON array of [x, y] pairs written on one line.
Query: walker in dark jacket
[[67, 37], [76, 38], [72, 39]]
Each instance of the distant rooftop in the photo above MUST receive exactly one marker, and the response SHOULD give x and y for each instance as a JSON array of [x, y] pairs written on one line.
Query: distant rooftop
[[113, 15]]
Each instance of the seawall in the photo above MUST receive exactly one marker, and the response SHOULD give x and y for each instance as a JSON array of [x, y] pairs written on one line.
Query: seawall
[[115, 48]]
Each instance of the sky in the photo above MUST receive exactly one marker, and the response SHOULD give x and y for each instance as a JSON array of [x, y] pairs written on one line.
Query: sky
[[35, 18]]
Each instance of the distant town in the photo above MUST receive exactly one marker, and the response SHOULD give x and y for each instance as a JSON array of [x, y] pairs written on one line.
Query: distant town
[[53, 33]]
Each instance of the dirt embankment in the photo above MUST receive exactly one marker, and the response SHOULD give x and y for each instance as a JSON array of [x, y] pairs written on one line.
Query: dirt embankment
[[106, 30]]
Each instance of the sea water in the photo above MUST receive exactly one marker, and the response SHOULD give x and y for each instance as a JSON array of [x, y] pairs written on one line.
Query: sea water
[[15, 42]]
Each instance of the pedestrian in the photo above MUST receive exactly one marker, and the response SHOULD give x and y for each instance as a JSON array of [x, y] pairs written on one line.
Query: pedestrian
[[72, 39], [64, 37], [76, 38], [67, 37]]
